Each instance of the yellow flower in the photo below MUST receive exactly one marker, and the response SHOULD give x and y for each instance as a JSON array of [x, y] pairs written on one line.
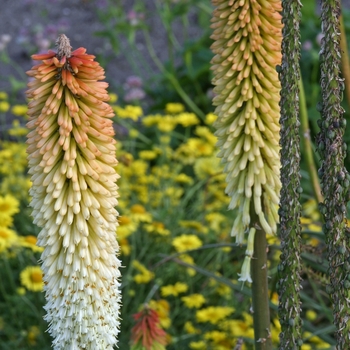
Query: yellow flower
[[184, 179], [215, 336], [13, 158], [124, 246], [210, 118], [166, 124], [193, 225], [311, 315], [113, 97], [17, 129], [310, 209], [29, 242], [193, 300], [32, 278], [207, 167], [4, 106], [9, 205], [215, 220], [198, 345], [145, 276], [205, 133], [126, 227], [158, 228], [8, 238], [174, 289], [33, 334], [133, 133], [132, 112], [148, 154], [21, 291], [174, 108], [186, 242], [213, 314], [187, 119], [19, 110], [138, 213], [151, 120], [189, 260], [3, 95], [190, 329]]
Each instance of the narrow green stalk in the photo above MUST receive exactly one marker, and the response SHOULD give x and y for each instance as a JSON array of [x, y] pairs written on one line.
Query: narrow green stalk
[[345, 63], [290, 208], [260, 296], [334, 177], [172, 79], [307, 146]]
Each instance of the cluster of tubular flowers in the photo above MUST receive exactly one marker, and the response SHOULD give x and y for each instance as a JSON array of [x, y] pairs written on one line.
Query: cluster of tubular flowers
[[247, 38], [74, 193]]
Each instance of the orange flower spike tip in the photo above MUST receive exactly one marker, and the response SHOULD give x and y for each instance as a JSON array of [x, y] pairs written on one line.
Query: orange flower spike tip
[[147, 334]]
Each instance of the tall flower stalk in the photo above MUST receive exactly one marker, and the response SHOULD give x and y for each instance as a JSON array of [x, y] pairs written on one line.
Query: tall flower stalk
[[74, 193], [290, 208], [334, 177], [247, 38]]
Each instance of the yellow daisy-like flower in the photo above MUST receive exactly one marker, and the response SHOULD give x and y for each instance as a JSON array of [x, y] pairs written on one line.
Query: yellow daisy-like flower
[[207, 167], [17, 129], [157, 228], [190, 328], [9, 206], [174, 107], [186, 242], [132, 112], [3, 95], [148, 154], [8, 238], [193, 225], [19, 110], [32, 278], [193, 301], [144, 276], [189, 260], [4, 106], [29, 242], [187, 119], [214, 314], [198, 345], [210, 118], [126, 227], [174, 289], [184, 179], [138, 213]]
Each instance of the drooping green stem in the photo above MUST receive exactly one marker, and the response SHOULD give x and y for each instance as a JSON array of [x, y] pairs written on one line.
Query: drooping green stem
[[260, 297], [334, 177], [307, 146], [345, 63], [290, 208]]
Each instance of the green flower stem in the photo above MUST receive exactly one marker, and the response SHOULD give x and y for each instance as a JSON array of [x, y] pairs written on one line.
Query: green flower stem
[[307, 146], [290, 208], [345, 63], [260, 291], [334, 177], [172, 79]]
